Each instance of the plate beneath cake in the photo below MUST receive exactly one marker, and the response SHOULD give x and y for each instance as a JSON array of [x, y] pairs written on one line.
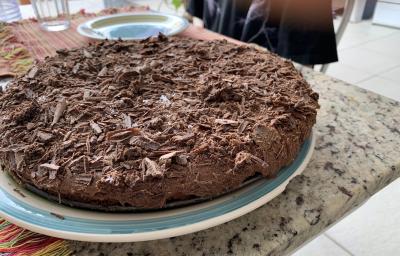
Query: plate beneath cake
[[37, 214], [132, 26]]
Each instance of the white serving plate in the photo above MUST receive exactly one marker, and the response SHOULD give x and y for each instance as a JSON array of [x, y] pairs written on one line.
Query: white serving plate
[[40, 215], [132, 26]]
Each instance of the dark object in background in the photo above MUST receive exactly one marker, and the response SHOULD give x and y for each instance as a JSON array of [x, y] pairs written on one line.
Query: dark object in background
[[300, 30], [338, 7], [369, 9]]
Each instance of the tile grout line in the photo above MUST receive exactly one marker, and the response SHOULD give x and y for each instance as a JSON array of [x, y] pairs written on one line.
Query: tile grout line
[[351, 67], [386, 71], [371, 75], [377, 75], [389, 79], [368, 41], [370, 51], [380, 53], [365, 79], [338, 244], [365, 42]]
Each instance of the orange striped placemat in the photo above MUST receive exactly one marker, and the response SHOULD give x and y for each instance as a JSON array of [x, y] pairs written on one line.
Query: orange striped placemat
[[24, 41]]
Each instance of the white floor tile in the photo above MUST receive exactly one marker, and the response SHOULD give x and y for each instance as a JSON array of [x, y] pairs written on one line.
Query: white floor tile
[[346, 73], [374, 229], [360, 33], [350, 40], [387, 45], [74, 7], [321, 246], [393, 74], [367, 60], [371, 30], [384, 87], [157, 5]]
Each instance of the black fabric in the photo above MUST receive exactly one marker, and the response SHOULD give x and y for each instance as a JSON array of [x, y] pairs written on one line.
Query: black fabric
[[301, 30]]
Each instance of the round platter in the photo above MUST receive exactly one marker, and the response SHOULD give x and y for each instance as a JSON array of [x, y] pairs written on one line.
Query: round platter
[[35, 213], [132, 26]]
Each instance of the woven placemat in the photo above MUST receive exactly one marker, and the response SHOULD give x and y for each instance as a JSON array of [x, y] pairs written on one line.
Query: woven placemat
[[24, 41]]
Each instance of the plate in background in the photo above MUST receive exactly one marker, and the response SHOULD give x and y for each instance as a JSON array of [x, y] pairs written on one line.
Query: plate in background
[[132, 26], [37, 214]]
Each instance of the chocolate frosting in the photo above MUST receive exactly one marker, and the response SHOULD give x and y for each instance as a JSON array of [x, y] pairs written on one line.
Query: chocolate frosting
[[143, 123]]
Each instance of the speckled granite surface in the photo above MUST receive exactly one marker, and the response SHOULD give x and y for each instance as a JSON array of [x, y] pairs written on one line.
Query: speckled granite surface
[[357, 154]]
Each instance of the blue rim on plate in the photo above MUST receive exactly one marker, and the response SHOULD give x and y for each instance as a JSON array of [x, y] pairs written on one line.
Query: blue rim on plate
[[132, 26], [37, 214]]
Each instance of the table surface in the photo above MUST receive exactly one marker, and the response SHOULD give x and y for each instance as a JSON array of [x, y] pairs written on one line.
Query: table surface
[[356, 155]]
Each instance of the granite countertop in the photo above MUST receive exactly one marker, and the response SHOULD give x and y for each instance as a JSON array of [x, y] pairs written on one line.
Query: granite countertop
[[356, 155]]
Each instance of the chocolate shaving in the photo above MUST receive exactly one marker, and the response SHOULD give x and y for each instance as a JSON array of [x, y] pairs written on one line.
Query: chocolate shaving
[[44, 136], [103, 71], [96, 128], [127, 121], [67, 135], [169, 155], [257, 91], [223, 94], [89, 98], [242, 126], [162, 78], [85, 179], [76, 68], [87, 54], [182, 160], [265, 136], [51, 169], [88, 145], [60, 108], [143, 70], [144, 142], [123, 134], [164, 99], [151, 169], [243, 158], [226, 121], [205, 126], [183, 138], [52, 174], [19, 159], [32, 73]]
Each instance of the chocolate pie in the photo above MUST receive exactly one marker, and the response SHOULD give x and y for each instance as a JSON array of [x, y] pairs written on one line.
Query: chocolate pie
[[143, 123]]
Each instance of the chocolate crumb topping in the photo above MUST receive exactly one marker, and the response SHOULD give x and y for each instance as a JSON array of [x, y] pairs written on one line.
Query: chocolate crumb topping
[[143, 123]]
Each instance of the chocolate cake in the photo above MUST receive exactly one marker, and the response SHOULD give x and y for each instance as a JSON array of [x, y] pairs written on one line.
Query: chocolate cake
[[160, 120]]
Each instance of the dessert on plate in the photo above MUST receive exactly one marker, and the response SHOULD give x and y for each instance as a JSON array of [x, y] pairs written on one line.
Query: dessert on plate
[[141, 124]]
